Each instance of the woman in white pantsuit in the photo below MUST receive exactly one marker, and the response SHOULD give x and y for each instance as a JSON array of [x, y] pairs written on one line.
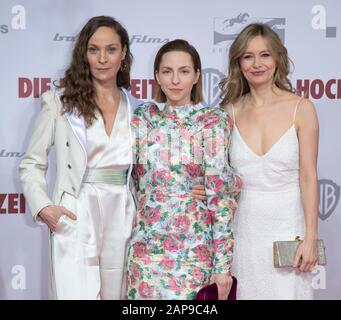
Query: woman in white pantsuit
[[88, 122]]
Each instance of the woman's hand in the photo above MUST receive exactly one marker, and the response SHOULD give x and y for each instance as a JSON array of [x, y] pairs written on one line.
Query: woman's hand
[[306, 255], [224, 282], [198, 192], [51, 214]]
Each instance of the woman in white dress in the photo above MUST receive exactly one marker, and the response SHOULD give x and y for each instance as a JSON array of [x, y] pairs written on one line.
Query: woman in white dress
[[88, 122], [274, 148]]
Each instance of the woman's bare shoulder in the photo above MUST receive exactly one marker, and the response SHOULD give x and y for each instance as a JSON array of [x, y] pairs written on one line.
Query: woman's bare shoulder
[[299, 102], [303, 108], [306, 111]]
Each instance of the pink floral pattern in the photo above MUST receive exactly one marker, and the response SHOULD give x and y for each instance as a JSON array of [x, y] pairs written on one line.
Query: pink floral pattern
[[177, 241]]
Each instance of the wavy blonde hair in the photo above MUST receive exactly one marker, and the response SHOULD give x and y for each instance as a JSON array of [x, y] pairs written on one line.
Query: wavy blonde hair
[[235, 85]]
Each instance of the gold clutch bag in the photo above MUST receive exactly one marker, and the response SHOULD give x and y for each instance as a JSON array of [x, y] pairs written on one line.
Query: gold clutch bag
[[284, 252]]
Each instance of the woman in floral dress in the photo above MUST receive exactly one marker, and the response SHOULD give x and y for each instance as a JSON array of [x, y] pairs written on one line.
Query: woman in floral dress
[[180, 244]]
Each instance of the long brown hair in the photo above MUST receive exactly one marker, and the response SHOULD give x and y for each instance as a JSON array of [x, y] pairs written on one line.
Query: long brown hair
[[79, 92], [184, 46], [235, 85]]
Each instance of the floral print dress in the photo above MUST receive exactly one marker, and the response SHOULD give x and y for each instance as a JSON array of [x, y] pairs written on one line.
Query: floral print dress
[[177, 241]]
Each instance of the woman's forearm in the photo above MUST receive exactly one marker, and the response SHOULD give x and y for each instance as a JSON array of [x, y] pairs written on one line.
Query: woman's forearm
[[310, 201]]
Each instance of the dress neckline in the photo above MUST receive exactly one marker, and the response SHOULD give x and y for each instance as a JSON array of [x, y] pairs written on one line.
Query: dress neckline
[[273, 146], [114, 125]]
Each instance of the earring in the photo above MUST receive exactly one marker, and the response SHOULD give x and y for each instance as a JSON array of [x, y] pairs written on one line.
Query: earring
[[123, 66]]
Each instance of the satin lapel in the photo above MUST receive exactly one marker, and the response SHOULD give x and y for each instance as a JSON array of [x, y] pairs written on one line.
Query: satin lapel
[[129, 106], [78, 127]]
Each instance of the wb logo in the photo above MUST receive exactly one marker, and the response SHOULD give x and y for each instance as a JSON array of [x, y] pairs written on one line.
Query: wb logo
[[227, 29], [211, 78], [329, 197]]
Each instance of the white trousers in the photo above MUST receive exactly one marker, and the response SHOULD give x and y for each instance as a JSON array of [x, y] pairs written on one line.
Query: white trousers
[[89, 254]]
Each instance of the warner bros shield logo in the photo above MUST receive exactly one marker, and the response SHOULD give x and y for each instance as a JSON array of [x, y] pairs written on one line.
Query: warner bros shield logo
[[227, 29], [211, 78], [329, 197]]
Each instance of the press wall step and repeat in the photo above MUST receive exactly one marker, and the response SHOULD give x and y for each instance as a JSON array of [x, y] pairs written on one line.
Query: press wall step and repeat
[[36, 40]]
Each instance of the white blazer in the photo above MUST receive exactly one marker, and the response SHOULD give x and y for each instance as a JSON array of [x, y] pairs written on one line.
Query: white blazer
[[67, 133]]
